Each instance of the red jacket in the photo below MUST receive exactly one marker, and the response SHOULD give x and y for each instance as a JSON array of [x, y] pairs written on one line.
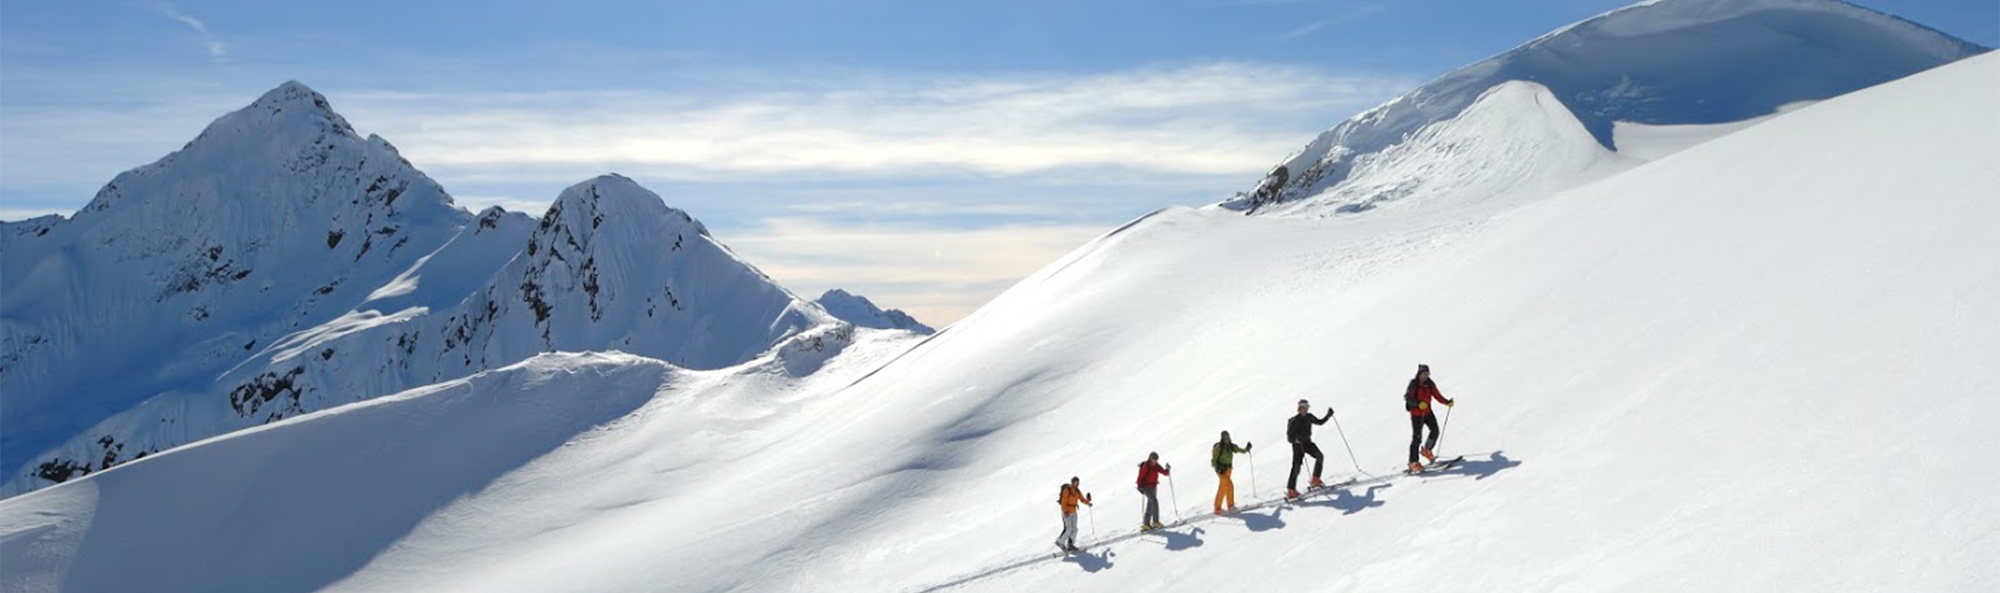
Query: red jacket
[[1149, 474], [1425, 392]]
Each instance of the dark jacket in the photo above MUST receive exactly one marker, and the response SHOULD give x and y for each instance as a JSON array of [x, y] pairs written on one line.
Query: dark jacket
[[1300, 429]]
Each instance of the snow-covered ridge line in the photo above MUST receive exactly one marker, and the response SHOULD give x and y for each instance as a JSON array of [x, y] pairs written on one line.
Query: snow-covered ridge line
[[1664, 62]]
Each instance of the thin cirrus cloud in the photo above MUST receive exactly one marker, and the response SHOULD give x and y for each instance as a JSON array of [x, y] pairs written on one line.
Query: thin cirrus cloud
[[1216, 118], [216, 48], [1342, 17]]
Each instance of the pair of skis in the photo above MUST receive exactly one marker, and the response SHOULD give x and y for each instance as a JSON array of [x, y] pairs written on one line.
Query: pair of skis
[[1437, 466], [1321, 489]]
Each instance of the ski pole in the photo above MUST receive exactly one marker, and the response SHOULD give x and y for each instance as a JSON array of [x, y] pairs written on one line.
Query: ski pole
[[1447, 424], [1093, 521], [1176, 497], [1253, 473], [1350, 448]]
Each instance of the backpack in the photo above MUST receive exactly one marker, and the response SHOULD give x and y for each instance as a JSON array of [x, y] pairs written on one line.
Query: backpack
[[1061, 492], [1410, 396]]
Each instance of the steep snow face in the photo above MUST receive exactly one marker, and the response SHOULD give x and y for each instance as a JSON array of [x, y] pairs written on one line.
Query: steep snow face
[[277, 217], [1515, 141], [609, 267], [861, 312], [1662, 62]]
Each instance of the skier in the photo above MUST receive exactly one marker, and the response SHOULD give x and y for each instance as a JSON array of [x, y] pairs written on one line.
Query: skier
[[1222, 458], [1072, 495], [1300, 432], [1150, 471], [1417, 399]]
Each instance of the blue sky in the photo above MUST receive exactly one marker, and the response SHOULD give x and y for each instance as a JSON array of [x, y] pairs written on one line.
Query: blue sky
[[926, 154]]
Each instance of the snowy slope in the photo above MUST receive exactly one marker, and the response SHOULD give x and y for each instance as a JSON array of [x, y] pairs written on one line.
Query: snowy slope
[[860, 311], [1515, 141], [276, 218], [1744, 366], [318, 496], [1662, 62]]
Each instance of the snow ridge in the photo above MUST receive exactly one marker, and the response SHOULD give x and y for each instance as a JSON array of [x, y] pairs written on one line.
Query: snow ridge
[[862, 312], [1660, 62]]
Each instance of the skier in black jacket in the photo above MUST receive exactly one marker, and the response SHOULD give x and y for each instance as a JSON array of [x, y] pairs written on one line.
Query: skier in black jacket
[[1300, 432]]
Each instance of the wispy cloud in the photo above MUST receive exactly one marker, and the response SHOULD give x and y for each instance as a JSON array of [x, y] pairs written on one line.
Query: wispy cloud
[[928, 194], [937, 274], [1343, 16], [1216, 118], [216, 48]]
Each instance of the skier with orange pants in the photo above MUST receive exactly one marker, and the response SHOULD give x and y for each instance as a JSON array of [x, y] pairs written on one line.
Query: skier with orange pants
[[1222, 458]]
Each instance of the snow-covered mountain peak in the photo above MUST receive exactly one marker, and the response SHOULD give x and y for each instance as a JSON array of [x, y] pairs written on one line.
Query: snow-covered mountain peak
[[1665, 62], [293, 99], [290, 132], [276, 218], [612, 196], [860, 311]]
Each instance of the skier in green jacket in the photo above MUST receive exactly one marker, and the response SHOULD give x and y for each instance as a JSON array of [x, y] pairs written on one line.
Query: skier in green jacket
[[1222, 458]]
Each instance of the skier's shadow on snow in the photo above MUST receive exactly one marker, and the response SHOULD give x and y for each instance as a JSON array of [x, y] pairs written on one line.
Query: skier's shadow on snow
[[1089, 560], [1177, 541], [1258, 522], [1350, 503], [1480, 469]]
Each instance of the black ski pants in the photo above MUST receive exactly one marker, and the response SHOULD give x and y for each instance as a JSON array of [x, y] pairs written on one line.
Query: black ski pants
[[1417, 424], [1299, 453]]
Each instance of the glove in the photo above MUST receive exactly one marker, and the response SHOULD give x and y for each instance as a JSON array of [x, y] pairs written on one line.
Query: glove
[[1451, 403], [1247, 446]]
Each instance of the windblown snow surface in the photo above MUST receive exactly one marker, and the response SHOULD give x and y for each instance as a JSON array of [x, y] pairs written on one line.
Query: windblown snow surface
[[1756, 364]]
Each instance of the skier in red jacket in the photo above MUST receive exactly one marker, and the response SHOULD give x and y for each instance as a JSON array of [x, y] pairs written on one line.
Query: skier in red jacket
[[1417, 399], [1150, 471]]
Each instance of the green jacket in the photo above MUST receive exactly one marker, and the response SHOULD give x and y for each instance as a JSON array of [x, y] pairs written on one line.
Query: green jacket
[[1222, 457]]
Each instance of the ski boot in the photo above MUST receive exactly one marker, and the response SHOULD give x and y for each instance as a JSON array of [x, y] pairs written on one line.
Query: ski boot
[[1291, 494], [1232, 509], [1429, 456], [1416, 467], [1316, 484]]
